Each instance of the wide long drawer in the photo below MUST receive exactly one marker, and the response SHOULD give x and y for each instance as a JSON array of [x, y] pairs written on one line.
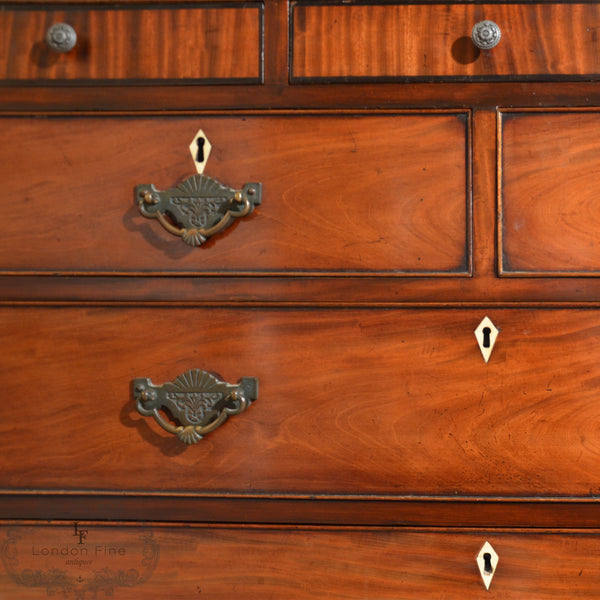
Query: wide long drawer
[[342, 194], [133, 43], [357, 401], [339, 41], [91, 559]]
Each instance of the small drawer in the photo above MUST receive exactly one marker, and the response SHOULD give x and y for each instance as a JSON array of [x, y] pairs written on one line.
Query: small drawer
[[133, 44], [342, 195], [548, 193], [82, 559], [350, 401], [343, 41]]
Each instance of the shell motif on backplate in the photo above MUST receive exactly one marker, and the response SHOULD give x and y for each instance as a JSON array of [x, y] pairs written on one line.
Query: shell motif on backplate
[[197, 208], [198, 401]]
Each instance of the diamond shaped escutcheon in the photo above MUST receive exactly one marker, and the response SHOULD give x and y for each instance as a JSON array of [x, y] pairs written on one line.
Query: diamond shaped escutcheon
[[486, 335], [487, 561], [200, 149]]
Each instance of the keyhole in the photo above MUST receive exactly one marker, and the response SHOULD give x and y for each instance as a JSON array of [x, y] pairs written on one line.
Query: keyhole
[[200, 155], [486, 336], [487, 563]]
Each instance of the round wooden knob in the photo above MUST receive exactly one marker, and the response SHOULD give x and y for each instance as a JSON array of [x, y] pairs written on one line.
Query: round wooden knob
[[61, 37], [486, 35]]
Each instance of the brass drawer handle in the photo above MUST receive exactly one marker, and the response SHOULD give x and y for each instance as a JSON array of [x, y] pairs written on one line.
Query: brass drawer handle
[[486, 35], [198, 400], [61, 37], [197, 208]]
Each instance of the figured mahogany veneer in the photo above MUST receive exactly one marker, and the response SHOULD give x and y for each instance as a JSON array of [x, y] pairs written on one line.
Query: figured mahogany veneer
[[351, 401], [342, 193], [549, 215], [303, 563], [411, 186], [343, 41], [128, 43]]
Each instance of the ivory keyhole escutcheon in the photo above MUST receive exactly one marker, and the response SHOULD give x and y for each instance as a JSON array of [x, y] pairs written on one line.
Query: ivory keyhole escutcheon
[[486, 335], [487, 561], [200, 150]]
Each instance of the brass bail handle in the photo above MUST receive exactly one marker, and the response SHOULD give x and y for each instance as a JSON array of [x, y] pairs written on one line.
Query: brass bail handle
[[198, 401], [198, 208]]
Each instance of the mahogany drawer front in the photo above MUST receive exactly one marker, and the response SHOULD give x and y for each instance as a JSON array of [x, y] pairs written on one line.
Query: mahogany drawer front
[[181, 562], [548, 193], [340, 41], [342, 194], [351, 401], [207, 43]]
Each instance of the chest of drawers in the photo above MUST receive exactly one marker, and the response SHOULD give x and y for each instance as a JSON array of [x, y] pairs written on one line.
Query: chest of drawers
[[299, 300]]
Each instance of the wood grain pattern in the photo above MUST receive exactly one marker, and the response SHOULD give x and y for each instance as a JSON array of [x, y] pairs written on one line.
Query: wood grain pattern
[[348, 41], [301, 563], [339, 95], [303, 509], [196, 43], [549, 219], [342, 194], [351, 401], [367, 416]]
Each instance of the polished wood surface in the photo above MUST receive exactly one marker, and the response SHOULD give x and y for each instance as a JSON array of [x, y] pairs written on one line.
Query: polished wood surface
[[548, 193], [346, 193], [197, 43], [352, 41], [303, 509], [299, 563], [382, 451], [351, 401]]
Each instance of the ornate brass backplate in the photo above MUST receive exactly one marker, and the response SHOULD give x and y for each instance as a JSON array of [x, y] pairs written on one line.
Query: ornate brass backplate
[[197, 208], [197, 400]]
